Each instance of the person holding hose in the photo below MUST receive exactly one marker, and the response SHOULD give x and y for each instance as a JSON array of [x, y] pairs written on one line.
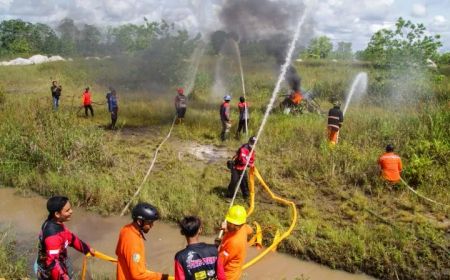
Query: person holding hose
[[335, 120], [180, 105], [87, 102], [130, 249], [390, 165], [54, 238], [225, 117], [113, 108], [198, 260], [240, 161], [243, 117], [233, 247]]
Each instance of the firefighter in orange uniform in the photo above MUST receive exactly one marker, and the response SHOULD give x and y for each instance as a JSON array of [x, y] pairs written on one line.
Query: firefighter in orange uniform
[[390, 165], [130, 250], [233, 248], [335, 120]]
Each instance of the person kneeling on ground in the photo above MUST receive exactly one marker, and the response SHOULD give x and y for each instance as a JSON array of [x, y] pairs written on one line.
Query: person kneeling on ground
[[198, 260], [390, 165], [240, 161], [233, 248], [130, 250], [53, 261]]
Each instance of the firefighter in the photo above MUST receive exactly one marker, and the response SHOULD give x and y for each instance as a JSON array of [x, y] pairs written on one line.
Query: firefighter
[[233, 248], [335, 120], [198, 260], [54, 238], [225, 117], [180, 105], [390, 165], [240, 160], [243, 117], [130, 250], [87, 102], [56, 93]]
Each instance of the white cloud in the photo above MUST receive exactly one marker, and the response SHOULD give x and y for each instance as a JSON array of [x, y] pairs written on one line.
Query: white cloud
[[439, 21], [419, 10]]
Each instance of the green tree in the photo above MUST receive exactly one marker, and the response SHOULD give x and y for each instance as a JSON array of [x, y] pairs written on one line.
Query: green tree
[[319, 47], [89, 40], [69, 35], [343, 51], [14, 36], [444, 58], [408, 44]]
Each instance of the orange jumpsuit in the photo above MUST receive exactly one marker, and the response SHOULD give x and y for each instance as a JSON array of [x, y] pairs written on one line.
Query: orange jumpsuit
[[233, 250], [391, 166], [130, 253]]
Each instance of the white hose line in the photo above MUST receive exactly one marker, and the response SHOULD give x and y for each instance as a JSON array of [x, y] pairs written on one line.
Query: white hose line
[[150, 168], [424, 197], [270, 105]]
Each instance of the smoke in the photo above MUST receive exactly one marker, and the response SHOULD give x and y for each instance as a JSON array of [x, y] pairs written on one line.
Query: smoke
[[255, 20], [269, 23]]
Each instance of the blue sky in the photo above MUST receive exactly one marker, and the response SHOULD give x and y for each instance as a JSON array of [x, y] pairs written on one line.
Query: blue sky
[[341, 20]]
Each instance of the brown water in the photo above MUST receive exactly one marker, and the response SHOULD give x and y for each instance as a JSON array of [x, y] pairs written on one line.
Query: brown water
[[24, 216]]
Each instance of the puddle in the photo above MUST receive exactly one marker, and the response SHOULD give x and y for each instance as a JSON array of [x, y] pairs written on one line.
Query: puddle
[[24, 215]]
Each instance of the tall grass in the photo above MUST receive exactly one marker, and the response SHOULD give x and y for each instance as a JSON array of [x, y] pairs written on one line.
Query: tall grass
[[348, 218]]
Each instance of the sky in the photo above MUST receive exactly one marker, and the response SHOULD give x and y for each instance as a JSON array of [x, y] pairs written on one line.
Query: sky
[[341, 20]]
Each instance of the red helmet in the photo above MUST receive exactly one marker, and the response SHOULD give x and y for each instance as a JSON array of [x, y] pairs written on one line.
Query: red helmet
[[180, 90]]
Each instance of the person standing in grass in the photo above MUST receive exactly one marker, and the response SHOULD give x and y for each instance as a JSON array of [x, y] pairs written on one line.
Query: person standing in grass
[[225, 117], [54, 238], [198, 260], [87, 102], [130, 249], [390, 165], [243, 117], [233, 248], [113, 108], [180, 105], [240, 161], [56, 94], [335, 120]]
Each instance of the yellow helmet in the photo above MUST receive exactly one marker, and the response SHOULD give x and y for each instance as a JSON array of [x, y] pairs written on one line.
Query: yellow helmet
[[236, 215]]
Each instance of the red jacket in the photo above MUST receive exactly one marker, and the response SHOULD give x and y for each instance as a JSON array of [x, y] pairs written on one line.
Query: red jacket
[[87, 98], [242, 156], [54, 239]]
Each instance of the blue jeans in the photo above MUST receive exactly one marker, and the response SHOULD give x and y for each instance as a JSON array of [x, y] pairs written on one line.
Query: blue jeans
[[55, 102]]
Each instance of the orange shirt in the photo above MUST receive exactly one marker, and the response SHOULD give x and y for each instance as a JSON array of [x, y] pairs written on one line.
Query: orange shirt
[[130, 253], [391, 166], [233, 250]]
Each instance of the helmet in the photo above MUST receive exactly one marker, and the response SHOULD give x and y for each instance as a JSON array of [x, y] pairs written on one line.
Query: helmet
[[227, 98], [242, 99], [252, 140], [389, 148], [145, 211], [336, 103], [236, 215], [180, 90]]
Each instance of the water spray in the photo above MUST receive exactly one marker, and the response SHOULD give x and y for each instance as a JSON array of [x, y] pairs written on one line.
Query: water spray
[[238, 54], [359, 86], [192, 70], [281, 78]]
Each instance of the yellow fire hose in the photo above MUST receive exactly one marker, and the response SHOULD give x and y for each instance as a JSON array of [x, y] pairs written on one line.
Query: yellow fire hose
[[278, 237], [101, 256]]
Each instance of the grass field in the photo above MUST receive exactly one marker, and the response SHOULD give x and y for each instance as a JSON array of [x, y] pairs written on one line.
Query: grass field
[[348, 218]]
